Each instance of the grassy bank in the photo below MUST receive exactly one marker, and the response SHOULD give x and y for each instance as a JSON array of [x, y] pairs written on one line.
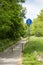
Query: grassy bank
[[5, 43], [32, 50]]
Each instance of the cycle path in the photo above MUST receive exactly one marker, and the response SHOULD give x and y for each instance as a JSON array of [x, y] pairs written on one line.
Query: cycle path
[[13, 55]]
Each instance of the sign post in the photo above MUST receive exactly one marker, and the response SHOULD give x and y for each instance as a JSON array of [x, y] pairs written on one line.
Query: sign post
[[28, 22]]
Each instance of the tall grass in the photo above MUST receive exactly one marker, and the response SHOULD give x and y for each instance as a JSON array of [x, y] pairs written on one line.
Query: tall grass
[[32, 49]]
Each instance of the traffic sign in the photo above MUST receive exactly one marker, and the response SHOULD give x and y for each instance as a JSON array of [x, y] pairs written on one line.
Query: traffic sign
[[28, 21]]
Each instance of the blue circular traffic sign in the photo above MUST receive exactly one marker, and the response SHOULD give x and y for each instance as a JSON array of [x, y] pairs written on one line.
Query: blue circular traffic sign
[[28, 21]]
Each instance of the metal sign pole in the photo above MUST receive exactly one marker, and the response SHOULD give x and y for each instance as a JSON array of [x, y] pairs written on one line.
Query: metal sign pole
[[28, 33], [28, 22]]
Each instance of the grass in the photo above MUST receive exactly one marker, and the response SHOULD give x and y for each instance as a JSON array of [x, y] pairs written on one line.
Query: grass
[[32, 49], [5, 43]]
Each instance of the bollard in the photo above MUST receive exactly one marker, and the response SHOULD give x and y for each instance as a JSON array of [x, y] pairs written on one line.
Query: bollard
[[22, 47], [12, 49]]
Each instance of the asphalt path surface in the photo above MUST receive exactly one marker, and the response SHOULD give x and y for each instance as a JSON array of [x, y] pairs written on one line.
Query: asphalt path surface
[[13, 55]]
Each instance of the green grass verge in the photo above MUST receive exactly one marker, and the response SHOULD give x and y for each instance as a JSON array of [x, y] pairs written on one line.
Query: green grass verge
[[5, 43], [32, 49]]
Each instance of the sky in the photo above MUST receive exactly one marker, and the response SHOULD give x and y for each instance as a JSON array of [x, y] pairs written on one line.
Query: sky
[[33, 8]]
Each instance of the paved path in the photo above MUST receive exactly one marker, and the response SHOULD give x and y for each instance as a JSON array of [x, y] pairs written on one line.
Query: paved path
[[12, 57]]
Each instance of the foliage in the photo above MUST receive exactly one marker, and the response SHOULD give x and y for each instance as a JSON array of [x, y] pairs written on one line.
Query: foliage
[[37, 26], [32, 50], [10, 19], [21, 1], [5, 43], [12, 25]]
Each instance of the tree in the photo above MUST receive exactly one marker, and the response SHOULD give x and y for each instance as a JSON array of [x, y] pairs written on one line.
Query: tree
[[37, 26], [10, 19]]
